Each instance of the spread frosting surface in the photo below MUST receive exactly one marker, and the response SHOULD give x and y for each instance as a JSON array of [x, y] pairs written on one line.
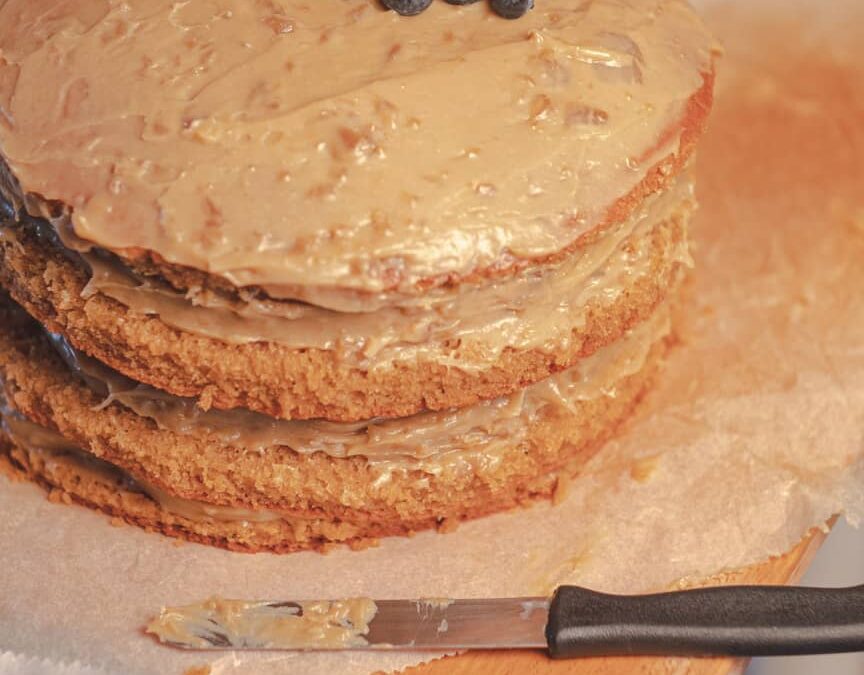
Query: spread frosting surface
[[538, 308], [241, 624], [54, 448], [324, 147], [439, 443], [541, 307]]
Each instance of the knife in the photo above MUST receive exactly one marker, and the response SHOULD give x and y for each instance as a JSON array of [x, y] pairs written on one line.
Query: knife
[[728, 620]]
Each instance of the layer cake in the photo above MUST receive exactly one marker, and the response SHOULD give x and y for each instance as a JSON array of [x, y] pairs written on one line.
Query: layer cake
[[283, 274]]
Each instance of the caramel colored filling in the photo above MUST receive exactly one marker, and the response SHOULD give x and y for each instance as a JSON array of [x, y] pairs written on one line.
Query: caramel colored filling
[[330, 151], [434, 442], [428, 440], [539, 308], [53, 448]]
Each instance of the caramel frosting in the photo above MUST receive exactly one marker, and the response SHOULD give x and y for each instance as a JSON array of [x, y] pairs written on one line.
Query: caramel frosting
[[241, 624], [54, 448], [433, 442], [441, 443], [330, 151], [539, 308]]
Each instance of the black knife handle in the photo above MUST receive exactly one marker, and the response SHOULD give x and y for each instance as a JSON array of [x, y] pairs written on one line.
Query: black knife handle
[[726, 620]]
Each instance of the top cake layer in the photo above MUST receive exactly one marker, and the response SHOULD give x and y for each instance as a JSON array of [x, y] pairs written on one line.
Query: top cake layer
[[322, 148]]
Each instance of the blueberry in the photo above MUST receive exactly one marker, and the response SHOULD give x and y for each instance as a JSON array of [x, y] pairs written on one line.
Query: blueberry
[[407, 7], [512, 9], [460, 2]]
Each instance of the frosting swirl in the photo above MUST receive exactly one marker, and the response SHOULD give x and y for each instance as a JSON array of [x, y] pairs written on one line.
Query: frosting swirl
[[305, 146]]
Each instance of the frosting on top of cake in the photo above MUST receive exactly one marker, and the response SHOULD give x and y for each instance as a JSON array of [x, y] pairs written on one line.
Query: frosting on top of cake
[[329, 144]]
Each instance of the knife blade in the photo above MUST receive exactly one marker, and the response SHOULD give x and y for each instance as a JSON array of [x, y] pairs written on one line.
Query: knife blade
[[730, 620], [430, 623]]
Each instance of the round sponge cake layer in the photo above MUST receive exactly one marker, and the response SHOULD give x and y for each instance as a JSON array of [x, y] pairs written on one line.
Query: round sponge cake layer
[[277, 500], [293, 383], [315, 162], [307, 147]]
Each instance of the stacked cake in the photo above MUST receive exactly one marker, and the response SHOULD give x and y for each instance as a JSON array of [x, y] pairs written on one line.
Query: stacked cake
[[285, 273]]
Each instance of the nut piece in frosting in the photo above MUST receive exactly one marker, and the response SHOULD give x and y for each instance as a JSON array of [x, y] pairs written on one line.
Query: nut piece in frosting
[[241, 624]]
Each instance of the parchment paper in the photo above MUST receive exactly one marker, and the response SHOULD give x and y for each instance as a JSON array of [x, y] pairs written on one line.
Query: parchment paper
[[755, 433]]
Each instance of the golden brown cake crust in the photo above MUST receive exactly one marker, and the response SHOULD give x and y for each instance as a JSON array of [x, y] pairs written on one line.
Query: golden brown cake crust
[[65, 484], [321, 499], [302, 383]]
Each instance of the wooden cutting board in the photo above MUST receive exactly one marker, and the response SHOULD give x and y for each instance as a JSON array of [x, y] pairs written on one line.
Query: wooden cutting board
[[787, 569]]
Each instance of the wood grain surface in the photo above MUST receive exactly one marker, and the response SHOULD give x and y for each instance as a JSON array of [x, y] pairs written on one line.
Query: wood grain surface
[[787, 569]]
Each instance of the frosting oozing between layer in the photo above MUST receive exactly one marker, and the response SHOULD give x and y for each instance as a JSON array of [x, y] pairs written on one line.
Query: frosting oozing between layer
[[313, 147], [430, 441], [433, 443], [240, 624], [537, 309], [53, 448]]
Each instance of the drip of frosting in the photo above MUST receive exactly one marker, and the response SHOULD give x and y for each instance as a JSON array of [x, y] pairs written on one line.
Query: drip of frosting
[[313, 148]]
